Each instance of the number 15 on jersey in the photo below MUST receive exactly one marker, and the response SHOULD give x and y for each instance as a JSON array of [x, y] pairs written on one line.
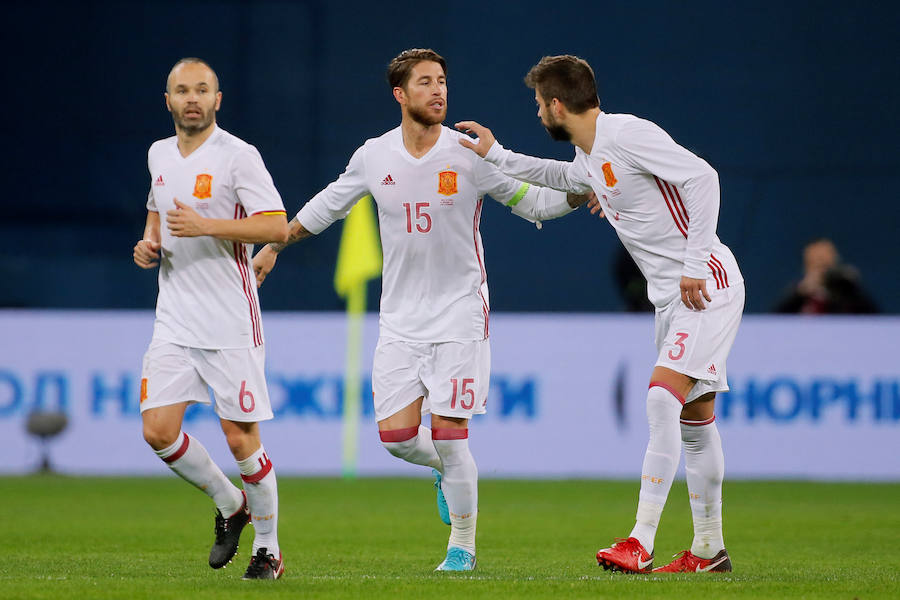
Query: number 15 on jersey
[[422, 218]]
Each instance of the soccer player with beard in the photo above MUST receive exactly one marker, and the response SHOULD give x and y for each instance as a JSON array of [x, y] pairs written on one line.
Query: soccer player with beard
[[218, 200], [663, 202], [433, 353]]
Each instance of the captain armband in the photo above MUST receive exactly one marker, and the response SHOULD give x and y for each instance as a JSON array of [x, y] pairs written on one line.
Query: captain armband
[[522, 204]]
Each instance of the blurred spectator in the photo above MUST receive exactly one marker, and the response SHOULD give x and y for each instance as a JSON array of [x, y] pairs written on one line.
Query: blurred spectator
[[828, 286]]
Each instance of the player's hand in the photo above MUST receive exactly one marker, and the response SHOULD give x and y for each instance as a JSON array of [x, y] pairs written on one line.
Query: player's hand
[[485, 139], [184, 221], [146, 254], [693, 291], [263, 263], [594, 205]]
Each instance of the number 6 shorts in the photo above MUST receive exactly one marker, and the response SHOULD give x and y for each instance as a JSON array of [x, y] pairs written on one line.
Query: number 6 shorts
[[697, 342], [453, 377], [172, 373]]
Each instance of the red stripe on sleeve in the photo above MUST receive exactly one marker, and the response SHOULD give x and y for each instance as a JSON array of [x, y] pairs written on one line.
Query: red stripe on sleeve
[[679, 206], [678, 196], [669, 206]]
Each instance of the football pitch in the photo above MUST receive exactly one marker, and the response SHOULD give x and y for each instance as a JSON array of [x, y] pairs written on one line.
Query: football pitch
[[76, 538]]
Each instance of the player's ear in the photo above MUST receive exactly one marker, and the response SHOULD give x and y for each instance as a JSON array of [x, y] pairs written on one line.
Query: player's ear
[[218, 100], [400, 95], [557, 107], [168, 106]]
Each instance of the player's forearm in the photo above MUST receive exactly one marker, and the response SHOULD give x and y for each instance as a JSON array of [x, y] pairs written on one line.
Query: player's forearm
[[702, 204], [542, 204], [151, 227], [257, 229], [296, 232], [540, 171]]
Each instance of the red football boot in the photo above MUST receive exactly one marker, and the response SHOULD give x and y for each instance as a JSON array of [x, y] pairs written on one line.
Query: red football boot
[[685, 562], [628, 556]]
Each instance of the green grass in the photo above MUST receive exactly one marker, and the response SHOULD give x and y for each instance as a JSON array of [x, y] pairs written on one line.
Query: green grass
[[74, 538]]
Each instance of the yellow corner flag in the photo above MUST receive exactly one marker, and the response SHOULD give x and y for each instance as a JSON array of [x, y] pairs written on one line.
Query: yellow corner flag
[[359, 255], [358, 261]]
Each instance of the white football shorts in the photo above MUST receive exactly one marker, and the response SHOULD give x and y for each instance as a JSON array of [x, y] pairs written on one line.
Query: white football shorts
[[172, 373], [453, 377], [697, 342]]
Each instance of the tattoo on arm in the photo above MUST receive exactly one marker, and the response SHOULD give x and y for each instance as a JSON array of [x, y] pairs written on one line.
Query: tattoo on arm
[[576, 200], [297, 232]]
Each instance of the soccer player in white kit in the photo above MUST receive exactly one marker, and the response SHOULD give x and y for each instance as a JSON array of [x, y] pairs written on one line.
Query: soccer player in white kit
[[663, 203], [218, 200], [433, 353]]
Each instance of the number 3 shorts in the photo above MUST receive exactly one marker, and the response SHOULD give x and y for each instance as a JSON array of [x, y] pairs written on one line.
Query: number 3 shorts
[[453, 377], [697, 342], [236, 376]]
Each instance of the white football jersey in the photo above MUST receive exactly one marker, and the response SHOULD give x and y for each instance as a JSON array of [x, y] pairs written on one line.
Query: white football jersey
[[662, 200], [434, 284], [207, 289]]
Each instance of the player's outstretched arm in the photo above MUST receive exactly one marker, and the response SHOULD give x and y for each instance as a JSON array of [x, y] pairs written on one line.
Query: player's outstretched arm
[[146, 251], [184, 221], [264, 261], [485, 140], [576, 200], [546, 172]]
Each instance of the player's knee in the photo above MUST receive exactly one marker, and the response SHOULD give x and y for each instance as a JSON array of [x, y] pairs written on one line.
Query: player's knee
[[160, 435], [400, 442], [400, 449], [662, 405]]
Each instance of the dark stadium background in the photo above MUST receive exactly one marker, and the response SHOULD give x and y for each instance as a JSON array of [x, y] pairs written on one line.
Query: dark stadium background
[[795, 105]]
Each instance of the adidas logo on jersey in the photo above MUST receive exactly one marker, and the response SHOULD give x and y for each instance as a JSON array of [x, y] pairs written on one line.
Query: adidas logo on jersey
[[711, 370], [159, 181], [388, 180]]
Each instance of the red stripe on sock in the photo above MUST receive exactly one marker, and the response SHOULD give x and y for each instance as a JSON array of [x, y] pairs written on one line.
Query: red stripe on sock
[[180, 452], [450, 434], [265, 466], [698, 423], [668, 388], [398, 435]]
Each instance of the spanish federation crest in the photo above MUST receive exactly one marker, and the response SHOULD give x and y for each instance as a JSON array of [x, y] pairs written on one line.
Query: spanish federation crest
[[203, 186], [608, 175], [447, 183]]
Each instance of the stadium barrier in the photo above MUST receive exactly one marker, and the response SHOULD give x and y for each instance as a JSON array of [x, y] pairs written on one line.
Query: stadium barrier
[[815, 398]]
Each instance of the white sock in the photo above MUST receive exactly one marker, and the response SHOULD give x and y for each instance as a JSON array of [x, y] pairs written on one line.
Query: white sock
[[413, 445], [191, 461], [705, 465], [660, 463], [261, 488], [460, 485]]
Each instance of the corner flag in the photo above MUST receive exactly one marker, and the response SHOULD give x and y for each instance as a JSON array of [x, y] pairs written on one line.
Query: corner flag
[[358, 261]]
